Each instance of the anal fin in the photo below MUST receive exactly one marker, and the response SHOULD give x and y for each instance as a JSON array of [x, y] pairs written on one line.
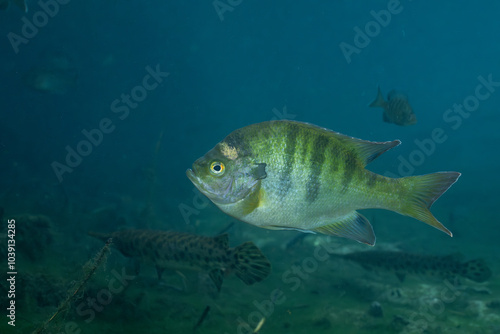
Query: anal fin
[[353, 226], [401, 276], [217, 276]]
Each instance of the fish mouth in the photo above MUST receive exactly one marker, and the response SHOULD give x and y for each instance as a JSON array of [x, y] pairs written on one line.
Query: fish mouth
[[198, 183], [195, 180], [191, 176], [208, 191]]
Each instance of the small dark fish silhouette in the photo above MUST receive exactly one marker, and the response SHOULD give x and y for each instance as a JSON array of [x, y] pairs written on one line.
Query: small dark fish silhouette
[[175, 250], [55, 73], [401, 264], [397, 109]]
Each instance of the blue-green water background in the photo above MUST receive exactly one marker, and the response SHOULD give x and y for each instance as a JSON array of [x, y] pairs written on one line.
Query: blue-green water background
[[257, 61]]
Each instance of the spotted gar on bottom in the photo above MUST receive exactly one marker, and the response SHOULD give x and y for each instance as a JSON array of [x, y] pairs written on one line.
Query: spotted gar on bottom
[[402, 263], [175, 250]]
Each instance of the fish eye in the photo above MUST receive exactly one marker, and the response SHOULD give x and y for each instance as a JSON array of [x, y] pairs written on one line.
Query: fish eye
[[217, 168]]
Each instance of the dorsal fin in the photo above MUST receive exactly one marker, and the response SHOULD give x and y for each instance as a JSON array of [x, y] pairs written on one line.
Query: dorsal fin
[[457, 257], [369, 151], [366, 150], [100, 236], [379, 101]]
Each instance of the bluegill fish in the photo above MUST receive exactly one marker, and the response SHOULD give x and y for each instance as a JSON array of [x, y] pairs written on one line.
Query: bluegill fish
[[292, 175], [402, 264], [397, 109], [182, 251]]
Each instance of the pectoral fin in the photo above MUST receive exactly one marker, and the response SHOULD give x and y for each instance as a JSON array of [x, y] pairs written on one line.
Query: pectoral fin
[[259, 171], [253, 201], [352, 226]]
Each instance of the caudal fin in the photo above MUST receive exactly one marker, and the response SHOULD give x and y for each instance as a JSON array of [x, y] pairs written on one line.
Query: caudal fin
[[250, 265], [476, 270], [425, 190]]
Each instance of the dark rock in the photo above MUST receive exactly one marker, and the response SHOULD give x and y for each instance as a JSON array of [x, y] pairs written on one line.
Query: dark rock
[[376, 310], [398, 323], [493, 304]]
